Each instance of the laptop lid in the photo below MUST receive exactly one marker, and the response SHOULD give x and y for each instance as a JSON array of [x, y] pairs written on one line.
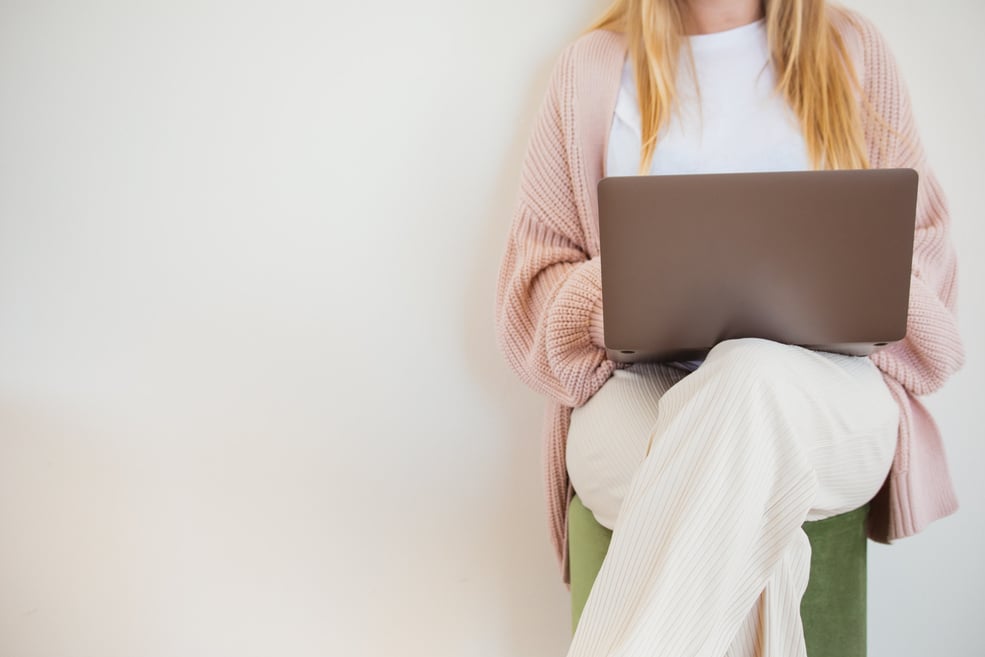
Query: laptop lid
[[817, 258]]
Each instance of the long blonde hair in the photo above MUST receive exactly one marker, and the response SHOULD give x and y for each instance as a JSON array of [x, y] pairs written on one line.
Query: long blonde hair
[[814, 72]]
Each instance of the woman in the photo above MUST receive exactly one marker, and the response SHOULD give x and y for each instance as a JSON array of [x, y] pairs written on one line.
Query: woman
[[706, 470]]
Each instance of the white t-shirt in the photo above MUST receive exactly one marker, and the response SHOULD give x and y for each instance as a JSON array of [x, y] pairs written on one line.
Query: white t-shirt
[[746, 125]]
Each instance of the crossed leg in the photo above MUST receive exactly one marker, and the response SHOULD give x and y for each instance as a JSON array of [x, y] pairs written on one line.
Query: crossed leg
[[707, 556]]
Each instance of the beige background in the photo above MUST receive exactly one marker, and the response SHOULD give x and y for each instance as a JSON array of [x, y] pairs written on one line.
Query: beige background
[[250, 402]]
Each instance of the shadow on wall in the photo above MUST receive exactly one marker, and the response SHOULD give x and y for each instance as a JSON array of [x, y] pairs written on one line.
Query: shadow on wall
[[524, 558]]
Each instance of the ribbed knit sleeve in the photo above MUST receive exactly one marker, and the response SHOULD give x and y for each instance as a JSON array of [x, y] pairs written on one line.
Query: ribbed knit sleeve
[[549, 293], [932, 349]]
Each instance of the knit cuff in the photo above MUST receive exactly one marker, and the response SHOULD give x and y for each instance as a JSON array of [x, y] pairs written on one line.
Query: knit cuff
[[575, 346], [932, 349]]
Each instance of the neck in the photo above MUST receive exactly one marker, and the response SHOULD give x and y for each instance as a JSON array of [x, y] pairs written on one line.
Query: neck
[[708, 16]]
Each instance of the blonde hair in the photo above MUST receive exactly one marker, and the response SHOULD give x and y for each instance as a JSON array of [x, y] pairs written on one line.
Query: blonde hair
[[814, 73]]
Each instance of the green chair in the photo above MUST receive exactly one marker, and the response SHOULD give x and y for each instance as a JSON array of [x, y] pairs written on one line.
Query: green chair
[[834, 604]]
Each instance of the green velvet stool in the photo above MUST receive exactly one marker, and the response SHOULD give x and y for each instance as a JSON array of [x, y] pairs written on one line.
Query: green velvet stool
[[832, 609]]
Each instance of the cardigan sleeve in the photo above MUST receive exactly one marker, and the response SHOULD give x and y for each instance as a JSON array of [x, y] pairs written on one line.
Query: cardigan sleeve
[[932, 349], [549, 292]]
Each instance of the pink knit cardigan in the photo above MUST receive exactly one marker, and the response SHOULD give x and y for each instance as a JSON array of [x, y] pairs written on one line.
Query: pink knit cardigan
[[549, 296]]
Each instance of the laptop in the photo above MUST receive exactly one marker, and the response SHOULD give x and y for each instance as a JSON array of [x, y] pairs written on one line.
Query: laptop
[[816, 258]]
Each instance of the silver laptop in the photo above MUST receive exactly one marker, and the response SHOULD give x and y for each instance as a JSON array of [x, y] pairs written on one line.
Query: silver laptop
[[817, 258]]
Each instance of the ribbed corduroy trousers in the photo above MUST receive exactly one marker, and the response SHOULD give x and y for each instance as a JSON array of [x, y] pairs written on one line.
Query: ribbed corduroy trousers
[[705, 478]]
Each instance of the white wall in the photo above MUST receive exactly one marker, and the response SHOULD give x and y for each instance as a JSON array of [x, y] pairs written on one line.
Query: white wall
[[250, 400]]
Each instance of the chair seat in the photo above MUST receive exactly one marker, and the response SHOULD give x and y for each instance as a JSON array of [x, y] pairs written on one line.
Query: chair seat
[[833, 609]]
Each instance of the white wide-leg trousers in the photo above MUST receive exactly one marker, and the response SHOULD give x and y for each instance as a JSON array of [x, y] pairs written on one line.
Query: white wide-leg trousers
[[705, 478]]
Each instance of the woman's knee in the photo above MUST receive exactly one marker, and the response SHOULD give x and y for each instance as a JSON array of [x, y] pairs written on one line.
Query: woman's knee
[[754, 360], [748, 347]]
